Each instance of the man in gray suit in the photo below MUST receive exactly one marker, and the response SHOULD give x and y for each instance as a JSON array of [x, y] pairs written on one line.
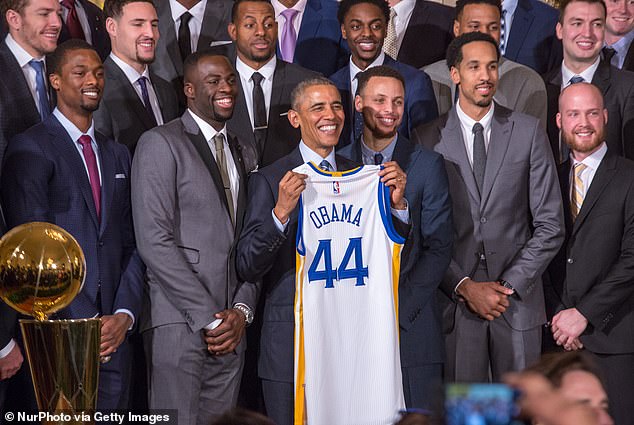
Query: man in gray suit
[[189, 184], [519, 87], [508, 220]]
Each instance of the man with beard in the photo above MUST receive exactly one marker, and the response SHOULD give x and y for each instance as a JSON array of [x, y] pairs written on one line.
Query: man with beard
[[135, 99], [593, 287], [508, 220], [260, 120], [64, 172], [427, 252], [188, 200], [619, 34]]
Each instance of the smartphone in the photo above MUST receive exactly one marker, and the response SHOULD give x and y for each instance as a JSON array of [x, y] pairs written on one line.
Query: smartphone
[[481, 404]]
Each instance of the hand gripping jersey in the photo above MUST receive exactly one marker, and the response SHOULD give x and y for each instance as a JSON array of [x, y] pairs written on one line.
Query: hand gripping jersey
[[347, 359]]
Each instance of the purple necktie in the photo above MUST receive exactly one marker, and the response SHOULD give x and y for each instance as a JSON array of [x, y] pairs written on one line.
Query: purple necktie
[[289, 36], [93, 171]]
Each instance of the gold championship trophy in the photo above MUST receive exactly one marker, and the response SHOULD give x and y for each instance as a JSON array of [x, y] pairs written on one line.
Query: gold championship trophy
[[42, 268]]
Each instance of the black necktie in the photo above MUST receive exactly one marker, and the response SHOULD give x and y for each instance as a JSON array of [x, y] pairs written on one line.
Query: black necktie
[[184, 36], [479, 154], [378, 158], [259, 110], [146, 98], [608, 54]]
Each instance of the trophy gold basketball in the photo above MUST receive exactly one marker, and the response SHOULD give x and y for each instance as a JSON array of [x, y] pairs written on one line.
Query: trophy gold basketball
[[42, 268]]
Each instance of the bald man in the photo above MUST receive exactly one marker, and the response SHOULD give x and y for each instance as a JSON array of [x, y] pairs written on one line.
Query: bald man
[[592, 292]]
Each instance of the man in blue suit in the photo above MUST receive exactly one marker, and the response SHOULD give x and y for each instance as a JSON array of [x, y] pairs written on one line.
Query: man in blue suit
[[309, 34], [62, 171], [427, 252], [364, 26]]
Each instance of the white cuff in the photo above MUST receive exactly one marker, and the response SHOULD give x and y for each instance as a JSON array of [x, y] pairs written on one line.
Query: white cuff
[[281, 227], [7, 349], [129, 313]]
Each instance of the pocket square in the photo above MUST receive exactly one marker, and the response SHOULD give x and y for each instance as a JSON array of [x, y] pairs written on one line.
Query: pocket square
[[220, 43], [283, 114], [119, 176]]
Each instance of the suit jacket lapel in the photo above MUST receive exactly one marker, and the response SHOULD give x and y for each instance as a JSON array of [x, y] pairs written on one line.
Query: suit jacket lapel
[[403, 152], [240, 124], [236, 152], [601, 77], [120, 83], [169, 37], [107, 163], [310, 21], [628, 64], [160, 94], [498, 145], [564, 183], [20, 88], [522, 20], [604, 175], [212, 27]]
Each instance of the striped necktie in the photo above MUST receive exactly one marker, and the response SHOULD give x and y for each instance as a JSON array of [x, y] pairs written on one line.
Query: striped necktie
[[578, 191]]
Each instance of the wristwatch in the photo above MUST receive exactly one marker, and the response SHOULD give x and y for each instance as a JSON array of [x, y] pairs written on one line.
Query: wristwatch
[[246, 310]]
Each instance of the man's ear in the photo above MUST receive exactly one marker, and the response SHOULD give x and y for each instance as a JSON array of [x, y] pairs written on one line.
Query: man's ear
[[53, 80], [293, 118]]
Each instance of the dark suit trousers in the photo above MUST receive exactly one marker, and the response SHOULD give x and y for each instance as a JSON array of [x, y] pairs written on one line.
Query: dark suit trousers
[[279, 400], [618, 371], [479, 350]]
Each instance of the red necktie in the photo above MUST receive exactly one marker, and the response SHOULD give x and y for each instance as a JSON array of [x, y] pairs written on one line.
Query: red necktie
[[72, 20], [93, 171]]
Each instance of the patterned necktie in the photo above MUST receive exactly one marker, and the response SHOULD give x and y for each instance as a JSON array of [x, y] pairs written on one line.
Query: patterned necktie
[[221, 161], [72, 20], [479, 154], [576, 79], [184, 36], [608, 54], [93, 171], [40, 88], [577, 192], [378, 158], [390, 45], [146, 97], [503, 32], [289, 36], [325, 165]]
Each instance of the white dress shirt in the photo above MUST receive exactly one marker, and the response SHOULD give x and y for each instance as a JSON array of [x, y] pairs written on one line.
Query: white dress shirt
[[354, 70], [466, 125], [246, 72], [300, 6], [83, 19], [587, 74], [591, 162], [195, 23], [403, 11], [133, 76], [23, 58]]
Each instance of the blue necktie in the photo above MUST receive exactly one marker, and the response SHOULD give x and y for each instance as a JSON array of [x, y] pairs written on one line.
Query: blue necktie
[[40, 88], [577, 79], [146, 98], [325, 165]]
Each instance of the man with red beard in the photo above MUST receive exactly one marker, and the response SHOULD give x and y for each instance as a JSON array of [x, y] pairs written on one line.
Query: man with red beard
[[593, 283], [189, 197], [135, 99], [427, 251]]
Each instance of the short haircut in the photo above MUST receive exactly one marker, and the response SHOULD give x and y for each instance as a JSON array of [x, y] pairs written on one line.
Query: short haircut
[[454, 51], [377, 71], [564, 4], [300, 89], [191, 62], [555, 365], [114, 8], [17, 5], [237, 3], [460, 5], [56, 60], [346, 5]]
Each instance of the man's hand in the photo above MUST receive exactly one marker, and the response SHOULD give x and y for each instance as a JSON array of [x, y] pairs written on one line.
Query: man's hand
[[10, 364], [567, 326], [226, 337], [291, 186], [113, 330], [393, 177], [486, 299]]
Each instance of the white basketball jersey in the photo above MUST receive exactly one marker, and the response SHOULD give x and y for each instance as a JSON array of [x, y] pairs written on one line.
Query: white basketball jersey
[[347, 358]]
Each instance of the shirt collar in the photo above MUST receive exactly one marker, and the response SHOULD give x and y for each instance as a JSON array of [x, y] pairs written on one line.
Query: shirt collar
[[21, 55], [130, 72], [300, 6], [468, 122], [309, 155], [593, 160], [72, 129], [509, 7], [267, 70], [354, 70], [197, 11], [623, 44], [205, 128], [387, 153], [587, 74]]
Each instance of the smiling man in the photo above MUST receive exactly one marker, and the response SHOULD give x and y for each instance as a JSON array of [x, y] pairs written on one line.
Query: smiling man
[[189, 186], [64, 172], [619, 34]]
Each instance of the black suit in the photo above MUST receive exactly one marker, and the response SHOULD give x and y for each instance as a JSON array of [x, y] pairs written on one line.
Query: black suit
[[266, 254], [121, 115], [594, 273], [99, 35], [617, 88], [281, 137], [431, 23]]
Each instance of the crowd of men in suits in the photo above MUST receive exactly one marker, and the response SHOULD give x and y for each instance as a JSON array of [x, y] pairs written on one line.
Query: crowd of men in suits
[[162, 135]]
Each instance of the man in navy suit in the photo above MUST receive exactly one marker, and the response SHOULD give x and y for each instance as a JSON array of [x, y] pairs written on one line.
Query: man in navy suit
[[64, 172], [309, 35], [427, 252], [364, 26]]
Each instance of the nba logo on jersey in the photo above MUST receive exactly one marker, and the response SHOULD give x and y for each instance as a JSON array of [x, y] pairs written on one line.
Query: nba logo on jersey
[[347, 357]]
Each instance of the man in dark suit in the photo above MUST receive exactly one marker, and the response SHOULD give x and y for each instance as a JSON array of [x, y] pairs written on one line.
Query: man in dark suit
[[266, 249], [259, 119], [135, 99], [508, 220], [364, 26], [427, 252], [619, 34], [84, 20], [585, 20], [592, 282], [64, 172], [309, 35], [416, 22], [204, 26], [529, 34], [188, 200]]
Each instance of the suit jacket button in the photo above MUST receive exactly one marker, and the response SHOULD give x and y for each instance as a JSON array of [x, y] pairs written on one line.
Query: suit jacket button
[[483, 220], [570, 261], [100, 243]]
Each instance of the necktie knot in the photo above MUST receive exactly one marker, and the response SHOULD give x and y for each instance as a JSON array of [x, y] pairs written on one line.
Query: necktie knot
[[289, 15], [185, 17], [378, 158], [577, 79], [219, 141], [579, 168], [608, 54], [85, 140], [37, 65], [325, 165], [257, 78], [477, 128]]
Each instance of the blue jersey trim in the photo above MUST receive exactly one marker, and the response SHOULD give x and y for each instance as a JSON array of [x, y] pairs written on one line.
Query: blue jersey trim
[[334, 173], [386, 214], [299, 239]]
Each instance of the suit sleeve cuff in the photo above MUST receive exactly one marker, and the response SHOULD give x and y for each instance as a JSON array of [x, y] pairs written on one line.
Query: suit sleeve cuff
[[7, 349], [129, 313]]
